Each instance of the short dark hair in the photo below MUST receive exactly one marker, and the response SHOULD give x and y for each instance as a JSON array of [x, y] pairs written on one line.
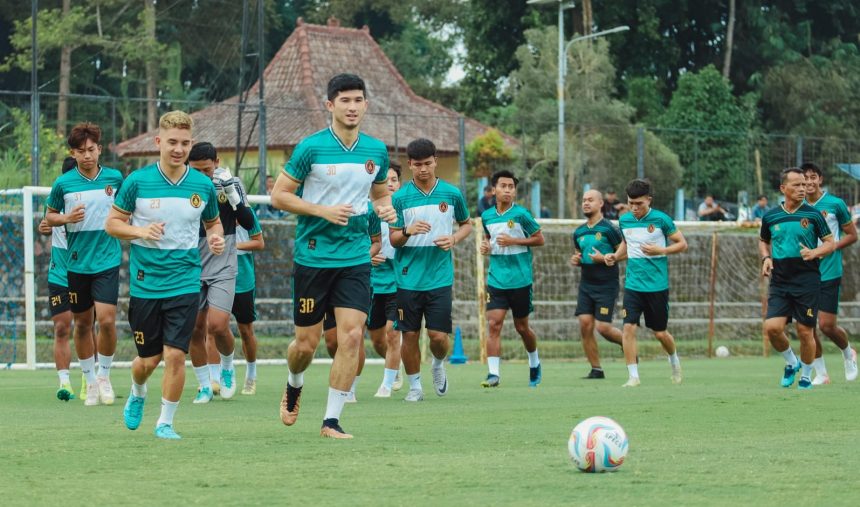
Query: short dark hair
[[345, 83], [420, 149], [69, 163], [83, 131], [202, 151], [268, 176], [789, 170], [395, 166], [504, 173], [761, 197], [810, 166], [608, 190], [638, 188]]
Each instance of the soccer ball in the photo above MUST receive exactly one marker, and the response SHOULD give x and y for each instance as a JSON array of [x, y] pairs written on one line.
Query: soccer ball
[[722, 351], [598, 444]]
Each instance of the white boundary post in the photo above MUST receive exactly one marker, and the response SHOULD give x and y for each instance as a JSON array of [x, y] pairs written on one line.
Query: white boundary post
[[29, 279]]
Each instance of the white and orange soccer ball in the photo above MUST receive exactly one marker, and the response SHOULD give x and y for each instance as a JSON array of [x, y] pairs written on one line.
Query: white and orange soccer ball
[[598, 444]]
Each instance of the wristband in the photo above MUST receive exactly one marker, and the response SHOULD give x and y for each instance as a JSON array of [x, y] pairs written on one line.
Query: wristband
[[405, 233]]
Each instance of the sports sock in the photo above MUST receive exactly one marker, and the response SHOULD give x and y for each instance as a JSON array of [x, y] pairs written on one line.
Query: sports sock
[[438, 363], [805, 370], [388, 377], [673, 359], [168, 410], [633, 370], [790, 358], [296, 379], [334, 406], [64, 376], [414, 381], [203, 378], [846, 352], [534, 360], [105, 363], [597, 369], [820, 368], [226, 361], [138, 390], [493, 365], [215, 372], [354, 383], [251, 370], [88, 369]]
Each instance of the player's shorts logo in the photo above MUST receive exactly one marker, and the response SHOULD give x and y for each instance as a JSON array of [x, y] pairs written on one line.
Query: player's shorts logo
[[222, 198], [809, 312], [650, 227], [804, 223], [443, 206], [109, 190], [624, 313], [604, 310], [369, 166], [598, 236], [510, 224], [196, 201]]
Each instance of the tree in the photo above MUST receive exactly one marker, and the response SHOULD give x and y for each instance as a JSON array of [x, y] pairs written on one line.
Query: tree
[[488, 153]]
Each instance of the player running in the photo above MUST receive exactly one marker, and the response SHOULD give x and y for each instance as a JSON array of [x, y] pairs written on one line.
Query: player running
[[427, 208], [510, 232], [166, 202], [839, 221], [326, 182], [650, 236], [595, 243], [81, 199], [244, 309], [218, 276]]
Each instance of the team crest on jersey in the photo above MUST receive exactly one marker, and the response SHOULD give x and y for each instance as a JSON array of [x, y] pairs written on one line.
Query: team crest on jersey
[[109, 190], [510, 224], [598, 236], [196, 201], [443, 206], [804, 223], [222, 197], [824, 213], [650, 227], [369, 166]]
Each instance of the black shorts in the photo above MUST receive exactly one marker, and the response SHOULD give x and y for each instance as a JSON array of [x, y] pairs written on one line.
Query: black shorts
[[101, 287], [317, 289], [655, 306], [159, 322], [797, 305], [828, 296], [434, 306], [518, 300], [597, 301], [383, 308], [58, 299], [244, 308]]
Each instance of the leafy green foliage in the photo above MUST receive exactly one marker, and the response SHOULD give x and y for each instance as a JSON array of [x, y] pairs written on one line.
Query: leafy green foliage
[[16, 159], [488, 153]]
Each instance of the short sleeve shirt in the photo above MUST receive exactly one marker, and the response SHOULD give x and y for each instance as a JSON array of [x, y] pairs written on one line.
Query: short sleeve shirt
[[382, 277], [646, 273], [57, 274], [245, 279], [605, 238], [510, 266], [786, 232], [836, 214]]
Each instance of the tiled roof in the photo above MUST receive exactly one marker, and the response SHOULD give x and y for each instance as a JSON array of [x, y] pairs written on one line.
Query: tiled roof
[[295, 87]]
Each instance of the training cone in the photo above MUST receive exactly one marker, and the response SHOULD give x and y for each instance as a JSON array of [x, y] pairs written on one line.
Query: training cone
[[458, 357]]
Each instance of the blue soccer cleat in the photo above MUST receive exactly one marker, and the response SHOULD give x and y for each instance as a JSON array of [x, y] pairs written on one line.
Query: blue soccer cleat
[[165, 431], [133, 411], [789, 374], [804, 383], [534, 376]]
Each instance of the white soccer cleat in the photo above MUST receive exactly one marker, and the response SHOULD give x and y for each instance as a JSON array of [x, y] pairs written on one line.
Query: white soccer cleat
[[92, 398], [105, 391], [350, 398], [851, 367], [677, 378], [382, 392], [632, 382], [440, 381], [414, 395], [228, 383], [398, 382], [820, 380]]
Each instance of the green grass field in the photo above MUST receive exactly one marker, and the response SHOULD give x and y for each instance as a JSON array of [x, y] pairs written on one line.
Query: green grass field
[[728, 436]]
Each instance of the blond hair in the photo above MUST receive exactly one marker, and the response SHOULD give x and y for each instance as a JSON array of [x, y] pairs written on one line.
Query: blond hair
[[176, 120]]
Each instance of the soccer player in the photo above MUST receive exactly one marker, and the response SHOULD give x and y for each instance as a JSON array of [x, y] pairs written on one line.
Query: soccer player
[[81, 200], [165, 202], [649, 237], [427, 208], [838, 219], [58, 299], [595, 243], [326, 183], [244, 310], [218, 276], [510, 232], [795, 280]]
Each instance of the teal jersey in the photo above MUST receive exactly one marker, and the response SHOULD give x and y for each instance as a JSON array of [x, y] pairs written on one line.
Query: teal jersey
[[605, 238], [785, 232], [510, 266], [170, 266], [245, 279], [330, 173], [421, 265], [646, 273], [57, 274], [90, 248], [382, 277], [836, 214]]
